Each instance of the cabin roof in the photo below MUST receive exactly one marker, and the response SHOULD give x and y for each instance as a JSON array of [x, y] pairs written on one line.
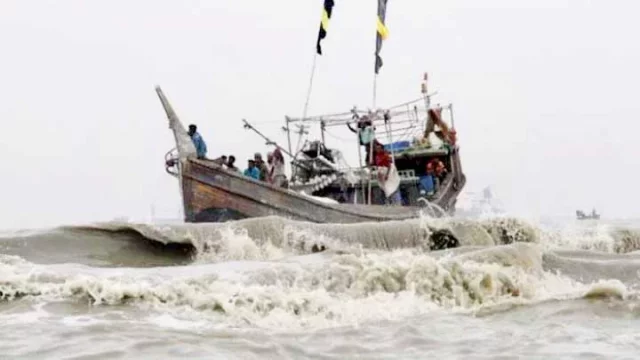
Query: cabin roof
[[422, 152]]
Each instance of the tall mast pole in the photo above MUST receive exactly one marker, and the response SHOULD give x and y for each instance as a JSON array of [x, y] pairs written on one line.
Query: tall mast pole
[[287, 129], [427, 100]]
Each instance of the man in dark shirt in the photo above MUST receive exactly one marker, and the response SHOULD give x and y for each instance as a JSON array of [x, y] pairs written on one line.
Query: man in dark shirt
[[262, 166]]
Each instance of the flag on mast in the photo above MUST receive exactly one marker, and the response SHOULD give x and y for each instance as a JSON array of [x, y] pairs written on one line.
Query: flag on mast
[[324, 24], [381, 31]]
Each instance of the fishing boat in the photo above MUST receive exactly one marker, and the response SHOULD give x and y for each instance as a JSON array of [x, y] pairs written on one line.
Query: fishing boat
[[580, 215], [322, 187]]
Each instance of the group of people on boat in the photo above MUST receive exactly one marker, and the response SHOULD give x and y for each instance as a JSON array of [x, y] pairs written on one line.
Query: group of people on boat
[[435, 171], [434, 175], [271, 171], [228, 162]]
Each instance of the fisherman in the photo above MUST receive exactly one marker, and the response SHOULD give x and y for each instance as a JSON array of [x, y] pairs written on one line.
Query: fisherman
[[222, 160], [440, 170], [427, 182], [366, 133], [231, 164], [435, 119], [198, 142], [277, 176], [382, 159], [252, 171], [386, 169], [262, 166]]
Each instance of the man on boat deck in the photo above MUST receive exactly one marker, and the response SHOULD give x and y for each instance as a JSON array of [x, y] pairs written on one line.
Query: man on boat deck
[[427, 182], [366, 134], [262, 166], [252, 171], [222, 160], [276, 174], [201, 147], [435, 119], [231, 163], [387, 175]]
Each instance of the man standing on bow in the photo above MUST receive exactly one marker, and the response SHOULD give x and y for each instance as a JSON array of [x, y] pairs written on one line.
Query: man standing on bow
[[198, 142]]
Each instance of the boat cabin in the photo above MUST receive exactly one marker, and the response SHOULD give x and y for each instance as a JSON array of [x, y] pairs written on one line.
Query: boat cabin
[[411, 164]]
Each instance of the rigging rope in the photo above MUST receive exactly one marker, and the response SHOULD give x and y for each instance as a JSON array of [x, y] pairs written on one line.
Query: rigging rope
[[375, 88], [306, 102], [337, 137], [313, 71]]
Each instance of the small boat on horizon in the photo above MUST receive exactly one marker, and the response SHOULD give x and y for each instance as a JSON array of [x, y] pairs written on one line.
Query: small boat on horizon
[[582, 216]]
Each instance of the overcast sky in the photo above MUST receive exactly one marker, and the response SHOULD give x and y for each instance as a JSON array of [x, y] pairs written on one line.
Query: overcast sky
[[544, 92]]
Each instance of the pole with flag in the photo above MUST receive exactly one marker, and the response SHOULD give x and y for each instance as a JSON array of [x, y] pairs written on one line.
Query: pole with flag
[[324, 24], [327, 9], [381, 32]]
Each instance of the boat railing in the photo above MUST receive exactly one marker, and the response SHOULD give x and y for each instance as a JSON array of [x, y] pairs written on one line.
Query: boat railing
[[171, 162]]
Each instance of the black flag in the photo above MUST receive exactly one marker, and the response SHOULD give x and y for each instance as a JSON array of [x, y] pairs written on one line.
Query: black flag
[[381, 31], [324, 23]]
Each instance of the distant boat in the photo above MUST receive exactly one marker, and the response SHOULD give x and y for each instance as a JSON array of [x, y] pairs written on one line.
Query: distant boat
[[582, 216]]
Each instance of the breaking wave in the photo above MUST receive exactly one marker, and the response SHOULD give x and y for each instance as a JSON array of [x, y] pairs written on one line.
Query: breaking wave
[[344, 289], [267, 272], [274, 237]]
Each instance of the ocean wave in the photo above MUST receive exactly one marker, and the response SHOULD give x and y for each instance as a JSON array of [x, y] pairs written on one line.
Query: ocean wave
[[271, 237], [341, 289], [120, 243]]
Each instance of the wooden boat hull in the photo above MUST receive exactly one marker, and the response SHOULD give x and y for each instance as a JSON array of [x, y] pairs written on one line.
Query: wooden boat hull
[[213, 194]]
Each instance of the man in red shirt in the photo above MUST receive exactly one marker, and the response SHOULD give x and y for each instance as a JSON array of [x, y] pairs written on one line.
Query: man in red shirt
[[381, 158], [383, 161]]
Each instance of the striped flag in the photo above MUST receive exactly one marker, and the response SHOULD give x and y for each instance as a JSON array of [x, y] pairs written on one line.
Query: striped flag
[[324, 23], [381, 31]]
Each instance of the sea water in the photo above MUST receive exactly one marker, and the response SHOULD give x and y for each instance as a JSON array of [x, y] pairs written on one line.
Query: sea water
[[254, 289]]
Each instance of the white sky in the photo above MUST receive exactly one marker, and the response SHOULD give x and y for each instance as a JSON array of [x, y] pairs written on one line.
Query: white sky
[[544, 94]]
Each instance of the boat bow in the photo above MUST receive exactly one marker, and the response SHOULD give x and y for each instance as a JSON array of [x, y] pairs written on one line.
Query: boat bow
[[184, 145]]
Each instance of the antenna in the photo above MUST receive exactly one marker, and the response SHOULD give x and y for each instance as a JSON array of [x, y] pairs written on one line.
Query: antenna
[[302, 130]]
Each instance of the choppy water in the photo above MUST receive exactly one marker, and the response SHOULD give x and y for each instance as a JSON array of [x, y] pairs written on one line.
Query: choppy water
[[255, 289]]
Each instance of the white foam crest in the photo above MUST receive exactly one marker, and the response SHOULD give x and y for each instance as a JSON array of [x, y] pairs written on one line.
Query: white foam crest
[[608, 289], [235, 244], [590, 236], [569, 236], [345, 289], [577, 237]]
